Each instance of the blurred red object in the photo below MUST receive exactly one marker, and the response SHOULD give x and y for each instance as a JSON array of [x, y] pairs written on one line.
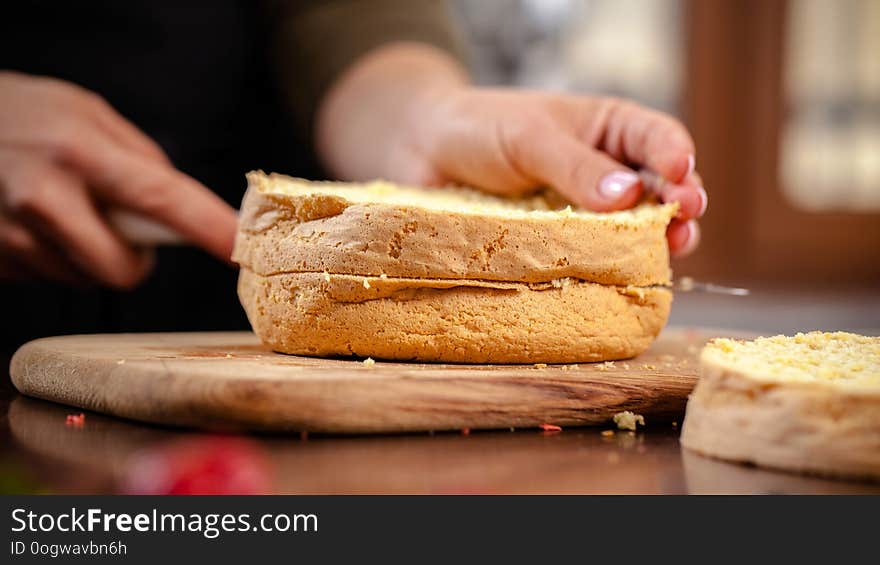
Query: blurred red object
[[75, 420], [203, 465], [550, 428]]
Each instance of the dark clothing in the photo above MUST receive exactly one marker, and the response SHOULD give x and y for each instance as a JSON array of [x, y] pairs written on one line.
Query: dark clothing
[[224, 86]]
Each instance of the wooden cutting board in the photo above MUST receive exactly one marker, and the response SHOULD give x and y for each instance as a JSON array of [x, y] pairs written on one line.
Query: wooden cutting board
[[229, 381]]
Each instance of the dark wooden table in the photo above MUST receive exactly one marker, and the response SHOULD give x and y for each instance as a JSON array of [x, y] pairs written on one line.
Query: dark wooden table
[[40, 452]]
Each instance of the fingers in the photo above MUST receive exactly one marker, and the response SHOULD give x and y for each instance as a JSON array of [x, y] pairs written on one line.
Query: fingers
[[683, 237], [23, 256], [52, 205], [660, 144], [160, 192], [123, 131], [634, 134], [587, 177], [690, 194], [85, 108]]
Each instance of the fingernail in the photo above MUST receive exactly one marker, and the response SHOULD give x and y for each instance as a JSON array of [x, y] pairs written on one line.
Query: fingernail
[[692, 165], [614, 185], [692, 241], [704, 200]]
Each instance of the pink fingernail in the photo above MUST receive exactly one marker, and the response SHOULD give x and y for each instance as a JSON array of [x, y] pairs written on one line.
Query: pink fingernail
[[692, 165], [614, 185], [693, 239], [704, 200]]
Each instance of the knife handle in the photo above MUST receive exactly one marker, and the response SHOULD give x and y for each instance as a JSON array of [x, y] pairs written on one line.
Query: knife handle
[[141, 231]]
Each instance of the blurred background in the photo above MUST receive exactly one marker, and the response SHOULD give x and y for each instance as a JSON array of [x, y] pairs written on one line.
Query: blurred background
[[783, 99]]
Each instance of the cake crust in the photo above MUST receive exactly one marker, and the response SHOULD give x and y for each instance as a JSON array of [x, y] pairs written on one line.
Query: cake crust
[[459, 321], [285, 233]]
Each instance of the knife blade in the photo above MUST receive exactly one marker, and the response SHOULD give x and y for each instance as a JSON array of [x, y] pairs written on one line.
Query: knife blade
[[688, 284]]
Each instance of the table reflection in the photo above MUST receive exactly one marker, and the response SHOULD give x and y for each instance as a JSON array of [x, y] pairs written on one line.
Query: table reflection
[[114, 455]]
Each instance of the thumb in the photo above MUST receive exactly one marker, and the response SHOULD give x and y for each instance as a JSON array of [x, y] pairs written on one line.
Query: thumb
[[589, 178]]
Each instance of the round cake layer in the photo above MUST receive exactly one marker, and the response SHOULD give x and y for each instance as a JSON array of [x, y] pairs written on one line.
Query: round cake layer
[[808, 403], [290, 225], [456, 321]]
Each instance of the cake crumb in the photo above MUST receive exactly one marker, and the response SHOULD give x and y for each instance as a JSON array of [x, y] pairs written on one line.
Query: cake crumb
[[632, 291], [369, 362], [540, 365], [649, 367], [121, 362], [605, 366], [383, 276], [366, 283], [607, 433], [626, 420], [326, 276], [229, 355]]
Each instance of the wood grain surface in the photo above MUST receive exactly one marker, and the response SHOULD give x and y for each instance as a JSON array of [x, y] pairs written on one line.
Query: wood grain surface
[[229, 381]]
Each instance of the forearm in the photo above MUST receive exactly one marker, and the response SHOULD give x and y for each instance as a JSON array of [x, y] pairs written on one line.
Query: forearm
[[366, 116]]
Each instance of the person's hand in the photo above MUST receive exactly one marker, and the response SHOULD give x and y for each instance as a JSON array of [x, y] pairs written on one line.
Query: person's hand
[[600, 153], [65, 156]]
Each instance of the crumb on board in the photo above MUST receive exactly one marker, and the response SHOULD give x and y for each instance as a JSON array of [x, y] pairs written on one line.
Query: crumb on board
[[369, 362], [571, 367], [605, 366], [607, 433], [540, 365], [75, 420], [366, 283], [626, 420], [326, 276], [383, 276], [649, 367], [674, 424], [513, 429], [550, 428], [121, 362], [229, 355]]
